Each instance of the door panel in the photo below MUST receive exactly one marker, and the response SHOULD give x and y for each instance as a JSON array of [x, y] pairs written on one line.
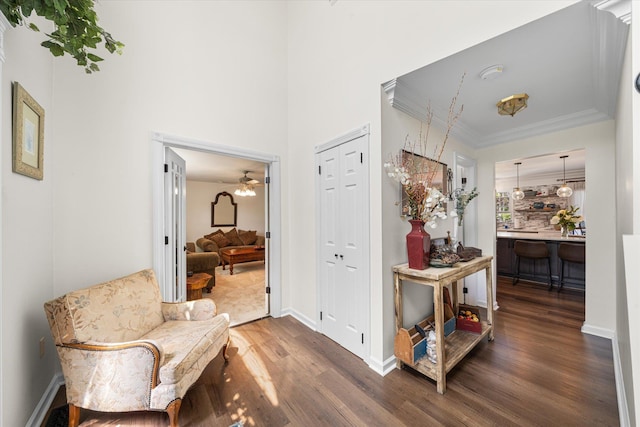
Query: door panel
[[175, 226], [343, 288]]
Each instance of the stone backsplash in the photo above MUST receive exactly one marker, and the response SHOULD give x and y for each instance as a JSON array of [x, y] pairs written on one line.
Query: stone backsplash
[[525, 216]]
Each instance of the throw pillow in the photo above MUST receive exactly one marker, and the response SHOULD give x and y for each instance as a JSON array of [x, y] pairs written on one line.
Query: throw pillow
[[233, 237], [248, 237], [220, 240], [210, 236]]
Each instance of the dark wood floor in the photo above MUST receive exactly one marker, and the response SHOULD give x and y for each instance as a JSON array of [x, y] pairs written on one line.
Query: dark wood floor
[[540, 371]]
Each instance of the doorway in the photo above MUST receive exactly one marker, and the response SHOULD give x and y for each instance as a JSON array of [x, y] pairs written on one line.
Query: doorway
[[527, 204], [271, 170]]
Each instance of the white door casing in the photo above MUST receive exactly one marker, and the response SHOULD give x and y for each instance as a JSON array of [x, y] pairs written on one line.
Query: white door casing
[[160, 141], [175, 184], [465, 167], [343, 227]]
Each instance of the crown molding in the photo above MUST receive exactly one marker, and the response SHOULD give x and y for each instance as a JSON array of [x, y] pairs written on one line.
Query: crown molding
[[621, 9], [555, 124]]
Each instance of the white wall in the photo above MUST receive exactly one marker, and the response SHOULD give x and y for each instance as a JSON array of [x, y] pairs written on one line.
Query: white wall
[[211, 71], [599, 142], [418, 299], [200, 195], [627, 294], [339, 55], [27, 237]]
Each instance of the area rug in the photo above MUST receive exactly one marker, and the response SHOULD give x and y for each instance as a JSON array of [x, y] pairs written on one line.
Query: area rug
[[242, 294]]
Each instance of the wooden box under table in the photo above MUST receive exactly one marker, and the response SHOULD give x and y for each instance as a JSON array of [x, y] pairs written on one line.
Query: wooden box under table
[[409, 345], [469, 325]]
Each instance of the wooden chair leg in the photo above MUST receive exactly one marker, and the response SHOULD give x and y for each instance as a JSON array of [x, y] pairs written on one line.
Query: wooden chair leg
[[172, 411], [74, 415], [517, 276], [549, 270], [561, 275]]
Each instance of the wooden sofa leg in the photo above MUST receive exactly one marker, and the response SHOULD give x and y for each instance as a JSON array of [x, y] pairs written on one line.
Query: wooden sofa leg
[[172, 411], [225, 351], [74, 415]]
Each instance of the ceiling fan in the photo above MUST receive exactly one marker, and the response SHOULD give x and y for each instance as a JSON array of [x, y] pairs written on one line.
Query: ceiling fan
[[246, 180], [246, 185]]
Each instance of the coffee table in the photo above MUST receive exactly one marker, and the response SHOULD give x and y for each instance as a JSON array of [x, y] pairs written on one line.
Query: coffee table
[[234, 256], [195, 284]]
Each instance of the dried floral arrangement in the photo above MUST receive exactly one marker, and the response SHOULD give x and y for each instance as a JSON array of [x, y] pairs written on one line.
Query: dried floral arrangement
[[416, 176]]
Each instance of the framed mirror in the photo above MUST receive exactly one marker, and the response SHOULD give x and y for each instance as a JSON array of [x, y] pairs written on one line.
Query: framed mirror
[[440, 177], [224, 211]]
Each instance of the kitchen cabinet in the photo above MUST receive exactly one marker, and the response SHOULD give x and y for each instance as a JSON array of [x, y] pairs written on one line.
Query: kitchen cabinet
[[536, 271]]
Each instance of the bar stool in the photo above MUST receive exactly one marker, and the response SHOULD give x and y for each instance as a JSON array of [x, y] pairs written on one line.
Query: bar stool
[[569, 252], [531, 250]]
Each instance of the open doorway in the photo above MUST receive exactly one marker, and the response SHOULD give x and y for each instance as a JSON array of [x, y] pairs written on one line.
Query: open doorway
[[529, 202], [226, 213], [247, 289]]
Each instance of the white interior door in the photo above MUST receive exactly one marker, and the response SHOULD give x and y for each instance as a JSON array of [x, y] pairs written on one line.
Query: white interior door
[[343, 264], [175, 274]]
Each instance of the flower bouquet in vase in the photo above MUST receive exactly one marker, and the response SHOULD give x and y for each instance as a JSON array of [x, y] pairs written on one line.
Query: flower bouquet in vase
[[567, 219]]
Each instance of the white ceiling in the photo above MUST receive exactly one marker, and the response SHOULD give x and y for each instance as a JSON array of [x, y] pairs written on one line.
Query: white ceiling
[[569, 63], [546, 167], [209, 167]]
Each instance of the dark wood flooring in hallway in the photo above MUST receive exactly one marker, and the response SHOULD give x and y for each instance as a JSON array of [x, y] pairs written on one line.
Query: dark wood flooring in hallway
[[540, 371]]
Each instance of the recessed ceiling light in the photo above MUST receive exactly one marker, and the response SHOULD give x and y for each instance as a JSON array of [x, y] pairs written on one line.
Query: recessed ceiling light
[[492, 72]]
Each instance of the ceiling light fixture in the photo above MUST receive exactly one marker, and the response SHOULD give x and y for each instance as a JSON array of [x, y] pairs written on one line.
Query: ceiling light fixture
[[511, 105], [564, 190], [245, 190], [517, 194], [492, 72], [246, 186]]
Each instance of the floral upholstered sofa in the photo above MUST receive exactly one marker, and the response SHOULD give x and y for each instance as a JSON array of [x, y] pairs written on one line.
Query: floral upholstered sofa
[[122, 349]]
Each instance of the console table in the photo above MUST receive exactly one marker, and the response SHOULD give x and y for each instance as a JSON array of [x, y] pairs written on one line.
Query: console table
[[452, 349]]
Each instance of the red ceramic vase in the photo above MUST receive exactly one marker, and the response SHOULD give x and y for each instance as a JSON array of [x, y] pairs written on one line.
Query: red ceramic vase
[[418, 245]]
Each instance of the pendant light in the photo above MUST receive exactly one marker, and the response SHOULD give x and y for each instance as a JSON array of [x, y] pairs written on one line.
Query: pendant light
[[564, 190], [517, 193]]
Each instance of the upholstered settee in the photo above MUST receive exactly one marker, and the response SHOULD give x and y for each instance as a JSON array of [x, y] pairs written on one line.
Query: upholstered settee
[[202, 262], [231, 239], [122, 349]]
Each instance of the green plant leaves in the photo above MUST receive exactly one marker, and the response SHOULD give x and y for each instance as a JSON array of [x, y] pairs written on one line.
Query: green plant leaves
[[76, 28]]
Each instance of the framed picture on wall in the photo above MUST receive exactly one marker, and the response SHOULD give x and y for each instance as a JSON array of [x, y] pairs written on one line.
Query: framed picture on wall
[[437, 170], [28, 134]]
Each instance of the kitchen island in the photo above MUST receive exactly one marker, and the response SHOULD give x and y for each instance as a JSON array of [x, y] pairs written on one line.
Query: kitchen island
[[537, 272]]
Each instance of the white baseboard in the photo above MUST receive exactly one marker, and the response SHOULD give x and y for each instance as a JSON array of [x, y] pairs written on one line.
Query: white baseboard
[[309, 323], [382, 367], [597, 331], [623, 409], [37, 417]]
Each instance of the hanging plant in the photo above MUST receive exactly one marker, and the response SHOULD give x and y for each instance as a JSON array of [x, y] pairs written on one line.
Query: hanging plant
[[76, 30]]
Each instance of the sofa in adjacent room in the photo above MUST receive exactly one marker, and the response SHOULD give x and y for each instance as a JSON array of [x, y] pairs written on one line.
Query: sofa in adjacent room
[[202, 262], [234, 238]]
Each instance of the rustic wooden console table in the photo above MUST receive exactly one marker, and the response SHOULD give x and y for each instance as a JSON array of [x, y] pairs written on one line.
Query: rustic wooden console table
[[458, 344]]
